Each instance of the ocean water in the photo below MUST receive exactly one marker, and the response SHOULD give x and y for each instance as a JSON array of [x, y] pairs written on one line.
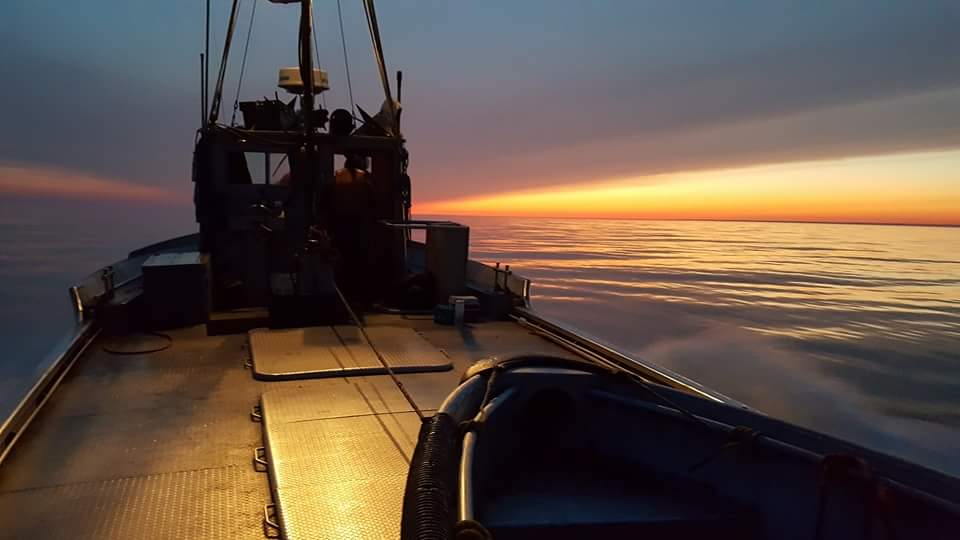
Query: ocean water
[[849, 329]]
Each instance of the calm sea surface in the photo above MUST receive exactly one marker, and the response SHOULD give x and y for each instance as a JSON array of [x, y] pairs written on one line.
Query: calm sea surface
[[850, 329]]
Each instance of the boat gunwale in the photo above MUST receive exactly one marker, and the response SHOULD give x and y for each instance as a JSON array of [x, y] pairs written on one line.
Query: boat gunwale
[[552, 330], [18, 421]]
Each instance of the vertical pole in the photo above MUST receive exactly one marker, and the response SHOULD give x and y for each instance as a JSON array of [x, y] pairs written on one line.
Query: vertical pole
[[308, 164], [203, 94], [206, 69], [399, 98], [306, 63]]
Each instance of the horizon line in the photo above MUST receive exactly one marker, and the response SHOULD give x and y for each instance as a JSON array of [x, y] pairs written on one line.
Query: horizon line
[[725, 220]]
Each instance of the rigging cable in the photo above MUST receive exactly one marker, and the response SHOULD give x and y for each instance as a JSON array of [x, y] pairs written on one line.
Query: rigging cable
[[371, 12], [243, 64], [383, 361], [346, 62], [218, 93]]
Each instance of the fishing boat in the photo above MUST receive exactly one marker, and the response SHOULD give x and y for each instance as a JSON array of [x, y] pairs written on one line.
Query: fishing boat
[[315, 363]]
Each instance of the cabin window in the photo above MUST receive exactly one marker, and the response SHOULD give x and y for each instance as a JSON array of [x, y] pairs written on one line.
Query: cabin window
[[266, 168]]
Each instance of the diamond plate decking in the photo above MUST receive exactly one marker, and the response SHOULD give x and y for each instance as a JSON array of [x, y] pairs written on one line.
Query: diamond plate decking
[[202, 503], [160, 445], [336, 476]]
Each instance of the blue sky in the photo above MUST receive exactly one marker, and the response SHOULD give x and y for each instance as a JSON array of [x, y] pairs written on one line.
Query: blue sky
[[501, 96]]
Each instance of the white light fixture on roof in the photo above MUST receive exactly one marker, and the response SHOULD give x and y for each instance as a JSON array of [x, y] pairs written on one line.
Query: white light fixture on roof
[[291, 81]]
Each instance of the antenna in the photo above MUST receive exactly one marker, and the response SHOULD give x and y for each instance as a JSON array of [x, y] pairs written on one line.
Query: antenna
[[399, 97], [203, 95], [399, 86]]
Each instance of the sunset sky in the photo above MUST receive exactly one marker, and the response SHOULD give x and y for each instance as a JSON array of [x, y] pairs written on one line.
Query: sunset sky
[[768, 110]]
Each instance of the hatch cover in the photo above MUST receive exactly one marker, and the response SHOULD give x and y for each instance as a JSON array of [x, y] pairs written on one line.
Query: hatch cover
[[336, 476], [340, 351]]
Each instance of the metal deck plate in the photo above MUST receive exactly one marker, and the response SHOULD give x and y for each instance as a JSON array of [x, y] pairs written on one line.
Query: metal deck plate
[[336, 471], [97, 447], [328, 351], [332, 398], [206, 503]]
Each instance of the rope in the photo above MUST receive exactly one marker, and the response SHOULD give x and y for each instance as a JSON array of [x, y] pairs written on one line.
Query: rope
[[346, 61], [471, 424], [383, 361], [168, 343], [243, 64]]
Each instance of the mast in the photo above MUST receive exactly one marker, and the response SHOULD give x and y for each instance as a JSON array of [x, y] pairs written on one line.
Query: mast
[[306, 63], [206, 68]]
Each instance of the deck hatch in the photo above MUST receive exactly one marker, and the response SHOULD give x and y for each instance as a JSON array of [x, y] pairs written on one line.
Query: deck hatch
[[339, 351], [335, 476]]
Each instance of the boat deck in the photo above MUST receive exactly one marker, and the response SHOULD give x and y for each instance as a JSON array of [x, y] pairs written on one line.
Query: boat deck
[[162, 445]]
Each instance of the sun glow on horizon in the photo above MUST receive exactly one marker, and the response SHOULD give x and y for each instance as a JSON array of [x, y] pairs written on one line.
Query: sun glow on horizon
[[902, 188], [47, 181]]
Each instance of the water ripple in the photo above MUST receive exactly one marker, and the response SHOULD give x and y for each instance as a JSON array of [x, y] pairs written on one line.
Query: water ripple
[[864, 318]]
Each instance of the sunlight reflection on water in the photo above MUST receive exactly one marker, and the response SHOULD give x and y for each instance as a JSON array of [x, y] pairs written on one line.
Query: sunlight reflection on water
[[851, 329]]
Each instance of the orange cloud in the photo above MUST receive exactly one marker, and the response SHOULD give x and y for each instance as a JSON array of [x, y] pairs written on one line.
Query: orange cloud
[[47, 181], [907, 188]]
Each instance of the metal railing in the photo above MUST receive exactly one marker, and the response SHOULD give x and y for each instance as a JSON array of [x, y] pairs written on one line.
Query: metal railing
[[575, 341]]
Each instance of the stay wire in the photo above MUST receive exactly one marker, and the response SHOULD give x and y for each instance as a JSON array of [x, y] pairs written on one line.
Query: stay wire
[[346, 61], [218, 92], [383, 361], [371, 13], [243, 64]]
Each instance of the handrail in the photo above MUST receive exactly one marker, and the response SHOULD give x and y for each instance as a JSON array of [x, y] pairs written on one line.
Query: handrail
[[570, 338], [418, 224]]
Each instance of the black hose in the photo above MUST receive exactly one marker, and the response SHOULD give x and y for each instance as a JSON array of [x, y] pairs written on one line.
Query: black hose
[[429, 501]]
